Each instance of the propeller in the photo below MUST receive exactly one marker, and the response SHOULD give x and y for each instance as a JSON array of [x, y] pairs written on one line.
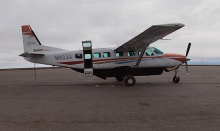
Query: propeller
[[188, 48], [187, 59]]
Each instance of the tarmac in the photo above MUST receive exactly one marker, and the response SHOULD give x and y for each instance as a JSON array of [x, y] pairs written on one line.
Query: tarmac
[[60, 99]]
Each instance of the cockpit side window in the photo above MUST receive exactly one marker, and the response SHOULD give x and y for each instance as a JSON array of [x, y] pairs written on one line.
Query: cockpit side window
[[149, 53], [157, 51]]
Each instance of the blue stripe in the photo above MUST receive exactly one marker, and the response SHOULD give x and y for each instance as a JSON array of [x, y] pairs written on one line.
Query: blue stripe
[[122, 62]]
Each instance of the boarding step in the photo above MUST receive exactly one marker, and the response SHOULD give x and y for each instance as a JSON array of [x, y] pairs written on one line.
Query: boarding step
[[88, 73]]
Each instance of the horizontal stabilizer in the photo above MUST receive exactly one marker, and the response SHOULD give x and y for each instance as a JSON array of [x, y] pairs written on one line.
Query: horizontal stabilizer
[[28, 55]]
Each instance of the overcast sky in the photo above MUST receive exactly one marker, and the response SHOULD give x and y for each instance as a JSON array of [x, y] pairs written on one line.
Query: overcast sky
[[65, 23]]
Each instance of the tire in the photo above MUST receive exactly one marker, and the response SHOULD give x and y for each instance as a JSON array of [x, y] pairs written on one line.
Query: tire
[[176, 79], [120, 78], [130, 81]]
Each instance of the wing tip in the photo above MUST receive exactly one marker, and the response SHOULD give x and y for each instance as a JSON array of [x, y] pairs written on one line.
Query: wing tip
[[172, 25]]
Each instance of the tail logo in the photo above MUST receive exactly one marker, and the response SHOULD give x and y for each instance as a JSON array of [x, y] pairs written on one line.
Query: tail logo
[[36, 50], [30, 43]]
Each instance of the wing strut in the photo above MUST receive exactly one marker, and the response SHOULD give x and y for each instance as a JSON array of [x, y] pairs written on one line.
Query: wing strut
[[140, 57]]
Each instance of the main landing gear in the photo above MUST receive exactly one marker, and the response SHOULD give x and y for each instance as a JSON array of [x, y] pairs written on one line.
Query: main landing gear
[[176, 78], [129, 80]]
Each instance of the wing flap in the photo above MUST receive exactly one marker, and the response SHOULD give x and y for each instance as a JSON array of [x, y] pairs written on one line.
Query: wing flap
[[149, 36]]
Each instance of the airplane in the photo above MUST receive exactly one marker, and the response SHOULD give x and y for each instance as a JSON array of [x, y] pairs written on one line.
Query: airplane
[[134, 58]]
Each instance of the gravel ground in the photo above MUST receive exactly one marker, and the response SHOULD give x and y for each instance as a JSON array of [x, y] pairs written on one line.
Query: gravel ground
[[61, 100]]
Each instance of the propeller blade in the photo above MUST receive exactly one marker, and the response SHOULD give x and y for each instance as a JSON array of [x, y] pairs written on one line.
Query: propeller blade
[[188, 48], [186, 64], [187, 71]]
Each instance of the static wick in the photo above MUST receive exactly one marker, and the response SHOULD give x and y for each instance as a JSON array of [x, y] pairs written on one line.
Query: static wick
[[117, 43]]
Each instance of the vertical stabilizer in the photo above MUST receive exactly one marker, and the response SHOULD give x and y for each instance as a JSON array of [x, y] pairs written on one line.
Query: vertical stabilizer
[[30, 41]]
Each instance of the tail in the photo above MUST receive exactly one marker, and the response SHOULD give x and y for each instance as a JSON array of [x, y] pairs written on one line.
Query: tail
[[32, 45], [30, 41]]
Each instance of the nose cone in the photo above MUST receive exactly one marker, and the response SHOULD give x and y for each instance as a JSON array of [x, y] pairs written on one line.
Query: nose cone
[[188, 59]]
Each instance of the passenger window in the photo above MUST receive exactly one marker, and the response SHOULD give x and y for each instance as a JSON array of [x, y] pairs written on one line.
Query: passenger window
[[119, 54], [131, 53], [149, 53], [106, 54], [88, 56], [78, 56], [96, 55]]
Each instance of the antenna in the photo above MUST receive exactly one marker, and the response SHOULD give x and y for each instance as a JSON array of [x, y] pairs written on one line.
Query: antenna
[[78, 47], [116, 43]]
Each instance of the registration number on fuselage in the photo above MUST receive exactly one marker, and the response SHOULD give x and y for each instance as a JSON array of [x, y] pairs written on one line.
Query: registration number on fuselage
[[63, 57]]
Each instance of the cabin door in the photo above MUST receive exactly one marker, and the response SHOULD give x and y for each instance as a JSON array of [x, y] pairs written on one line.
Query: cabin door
[[88, 62]]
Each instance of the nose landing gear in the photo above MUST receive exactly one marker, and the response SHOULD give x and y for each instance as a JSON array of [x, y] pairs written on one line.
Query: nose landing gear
[[176, 78]]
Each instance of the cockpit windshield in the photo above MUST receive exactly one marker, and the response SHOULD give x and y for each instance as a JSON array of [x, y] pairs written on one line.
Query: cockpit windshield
[[157, 51]]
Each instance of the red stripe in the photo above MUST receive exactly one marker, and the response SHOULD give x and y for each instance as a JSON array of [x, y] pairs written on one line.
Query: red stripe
[[178, 57], [80, 62]]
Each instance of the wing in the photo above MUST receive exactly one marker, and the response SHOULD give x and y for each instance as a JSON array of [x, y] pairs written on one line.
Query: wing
[[149, 36]]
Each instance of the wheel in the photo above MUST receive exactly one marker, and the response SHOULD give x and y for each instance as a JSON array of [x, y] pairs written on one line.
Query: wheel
[[176, 79], [120, 78], [130, 80]]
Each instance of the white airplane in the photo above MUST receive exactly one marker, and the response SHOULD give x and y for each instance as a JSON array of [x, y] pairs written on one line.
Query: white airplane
[[133, 58]]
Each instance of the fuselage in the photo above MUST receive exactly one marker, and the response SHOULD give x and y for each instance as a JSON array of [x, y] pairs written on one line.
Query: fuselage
[[107, 58]]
